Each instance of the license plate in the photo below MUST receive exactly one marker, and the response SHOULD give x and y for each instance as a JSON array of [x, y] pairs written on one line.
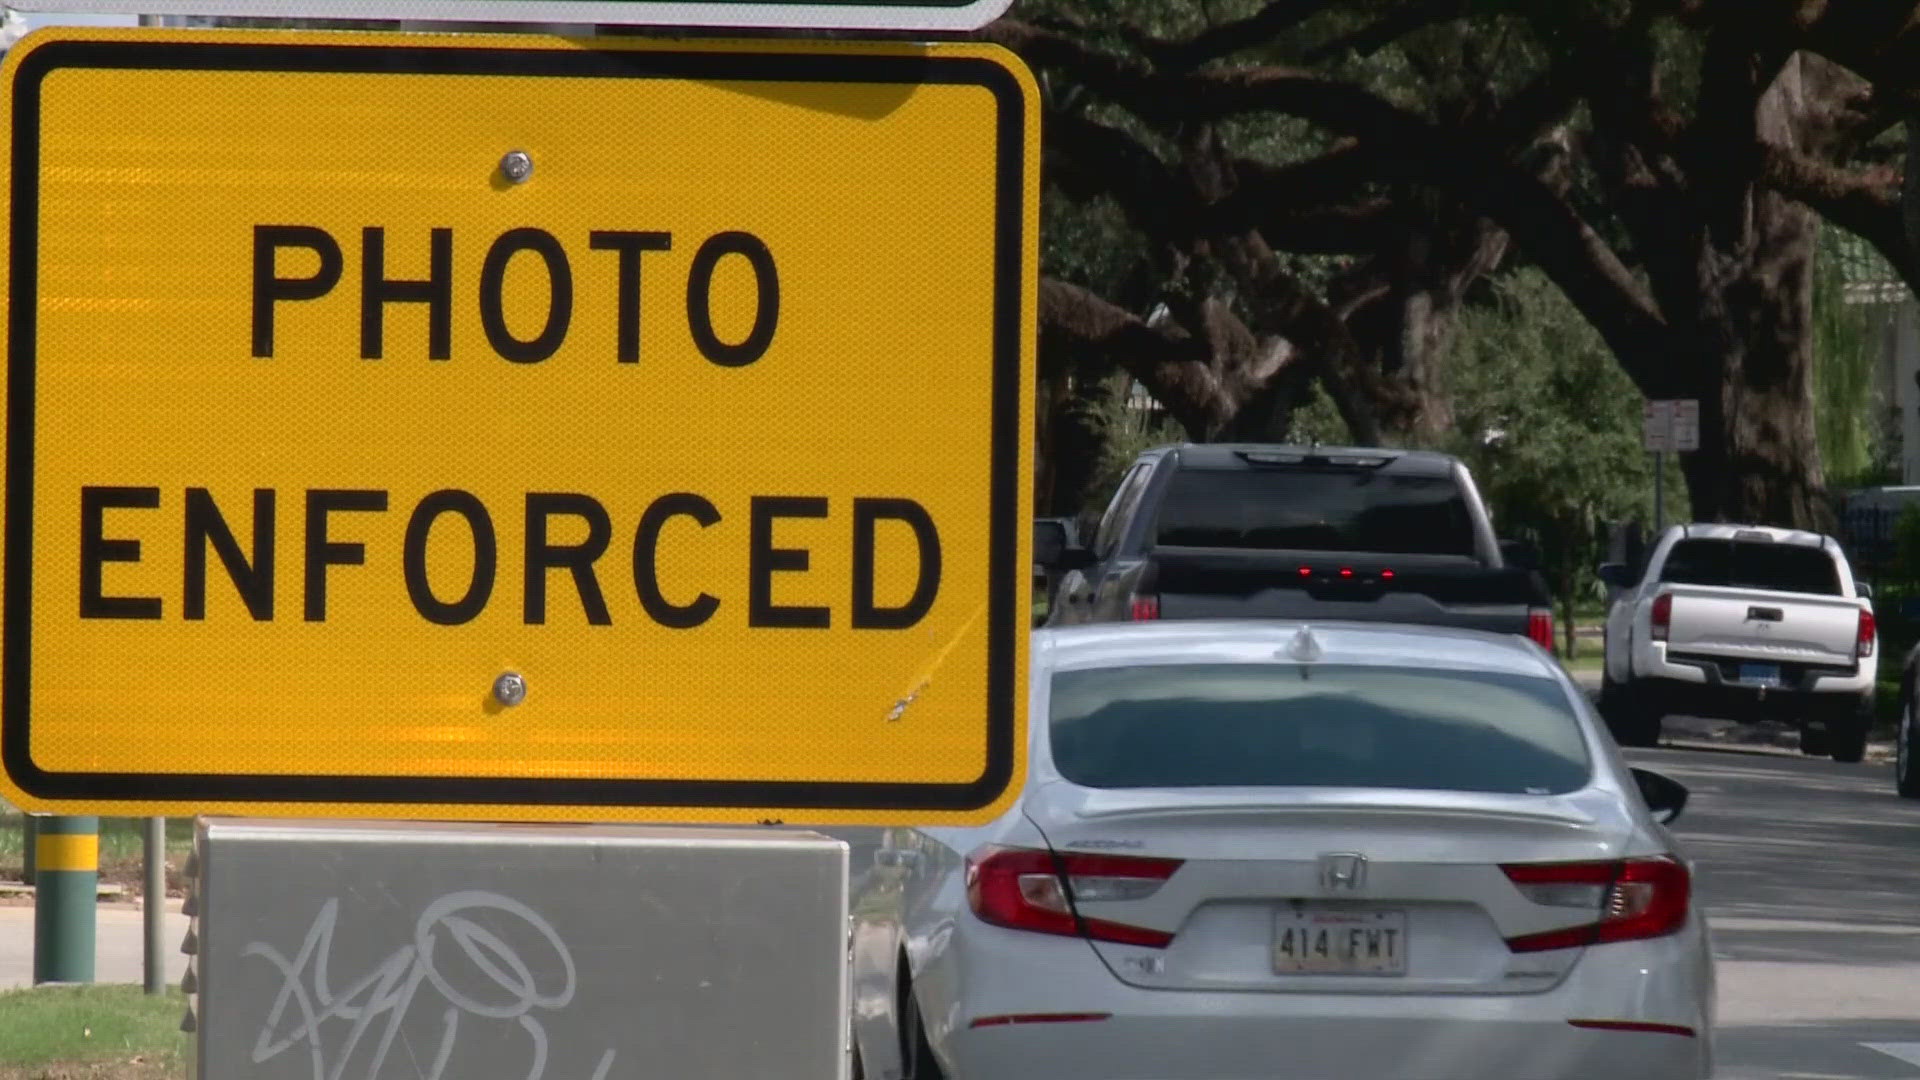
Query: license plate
[[1324, 940], [1760, 674]]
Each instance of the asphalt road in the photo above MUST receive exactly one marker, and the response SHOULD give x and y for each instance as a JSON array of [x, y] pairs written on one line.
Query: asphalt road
[[119, 937], [1810, 875], [1809, 871]]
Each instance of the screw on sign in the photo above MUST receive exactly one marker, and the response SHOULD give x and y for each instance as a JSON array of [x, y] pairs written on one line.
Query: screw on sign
[[702, 448], [510, 689], [516, 166]]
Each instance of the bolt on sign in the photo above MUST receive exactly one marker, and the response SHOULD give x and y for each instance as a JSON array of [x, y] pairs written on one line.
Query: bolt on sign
[[792, 14], [485, 426]]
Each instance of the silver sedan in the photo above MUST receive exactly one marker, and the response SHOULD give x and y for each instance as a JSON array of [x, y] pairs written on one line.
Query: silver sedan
[[1261, 850]]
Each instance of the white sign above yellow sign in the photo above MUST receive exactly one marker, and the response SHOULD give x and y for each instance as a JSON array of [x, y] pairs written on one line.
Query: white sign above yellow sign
[[792, 14], [483, 427]]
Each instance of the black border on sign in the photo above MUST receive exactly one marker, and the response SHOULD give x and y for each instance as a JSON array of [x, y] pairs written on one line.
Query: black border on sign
[[16, 593]]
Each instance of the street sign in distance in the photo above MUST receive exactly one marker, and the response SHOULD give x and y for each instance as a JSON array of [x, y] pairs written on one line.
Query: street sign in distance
[[507, 428], [1670, 425], [1657, 426], [1686, 424], [933, 15]]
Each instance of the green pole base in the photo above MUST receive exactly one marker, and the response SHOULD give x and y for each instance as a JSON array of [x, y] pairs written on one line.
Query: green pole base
[[66, 899]]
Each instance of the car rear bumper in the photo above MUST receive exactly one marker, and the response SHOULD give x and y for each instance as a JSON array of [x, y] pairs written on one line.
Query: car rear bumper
[[1717, 675], [1338, 1044], [1748, 704], [1650, 998]]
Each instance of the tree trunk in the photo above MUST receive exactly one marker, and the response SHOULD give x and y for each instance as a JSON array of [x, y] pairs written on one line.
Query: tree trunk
[[1404, 304], [1731, 264], [1759, 459], [1052, 394], [1567, 629]]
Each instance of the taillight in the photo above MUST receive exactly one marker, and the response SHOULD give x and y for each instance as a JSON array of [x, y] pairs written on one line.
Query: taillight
[[1028, 889], [1634, 899], [1144, 608], [1662, 615], [1540, 627], [1863, 644]]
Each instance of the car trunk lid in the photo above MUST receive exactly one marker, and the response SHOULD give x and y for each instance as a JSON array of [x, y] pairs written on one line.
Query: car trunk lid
[[1331, 890]]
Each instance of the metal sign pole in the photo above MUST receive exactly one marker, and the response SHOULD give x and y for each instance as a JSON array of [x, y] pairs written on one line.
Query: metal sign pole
[[1659, 492], [153, 905]]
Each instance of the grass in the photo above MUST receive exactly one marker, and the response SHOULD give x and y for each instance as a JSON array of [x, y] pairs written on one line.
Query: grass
[[1588, 662], [122, 847], [105, 1032]]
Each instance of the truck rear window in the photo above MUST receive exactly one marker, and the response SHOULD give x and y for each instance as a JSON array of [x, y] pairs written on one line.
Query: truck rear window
[[1746, 564], [1315, 510], [1285, 725]]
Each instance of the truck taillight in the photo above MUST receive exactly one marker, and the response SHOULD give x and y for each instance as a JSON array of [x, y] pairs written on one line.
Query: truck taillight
[[1034, 890], [1863, 646], [1662, 616], [1540, 627], [1634, 899], [1144, 608]]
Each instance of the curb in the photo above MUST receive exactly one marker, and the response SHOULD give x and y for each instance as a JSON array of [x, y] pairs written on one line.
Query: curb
[[107, 890]]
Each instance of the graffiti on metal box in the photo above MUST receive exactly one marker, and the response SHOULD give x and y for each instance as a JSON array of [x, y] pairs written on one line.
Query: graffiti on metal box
[[476, 972]]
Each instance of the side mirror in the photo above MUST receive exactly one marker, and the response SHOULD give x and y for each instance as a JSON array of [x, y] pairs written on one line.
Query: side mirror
[[1049, 542], [1863, 590], [1519, 554], [1665, 796], [1616, 575], [1054, 549]]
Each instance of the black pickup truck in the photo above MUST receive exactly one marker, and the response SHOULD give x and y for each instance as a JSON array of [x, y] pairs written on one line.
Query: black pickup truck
[[1290, 532]]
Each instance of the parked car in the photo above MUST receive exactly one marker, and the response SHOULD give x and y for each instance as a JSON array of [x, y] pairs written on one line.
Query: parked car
[[1747, 623], [1297, 532], [1274, 849], [1906, 738]]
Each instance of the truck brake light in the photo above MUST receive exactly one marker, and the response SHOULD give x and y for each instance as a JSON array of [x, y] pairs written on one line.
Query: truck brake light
[[1662, 616], [1863, 645], [1540, 627]]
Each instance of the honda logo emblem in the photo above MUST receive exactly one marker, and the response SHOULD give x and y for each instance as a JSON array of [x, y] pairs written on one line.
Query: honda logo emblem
[[1345, 871]]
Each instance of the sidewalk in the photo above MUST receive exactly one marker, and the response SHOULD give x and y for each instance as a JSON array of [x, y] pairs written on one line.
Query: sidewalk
[[119, 938]]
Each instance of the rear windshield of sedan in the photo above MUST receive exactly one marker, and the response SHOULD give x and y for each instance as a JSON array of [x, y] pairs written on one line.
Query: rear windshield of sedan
[[1746, 564], [1317, 725]]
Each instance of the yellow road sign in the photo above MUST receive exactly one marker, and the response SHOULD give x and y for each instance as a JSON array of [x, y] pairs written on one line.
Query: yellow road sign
[[513, 427]]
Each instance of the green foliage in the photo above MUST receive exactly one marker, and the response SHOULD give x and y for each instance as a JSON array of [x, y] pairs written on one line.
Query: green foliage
[[1848, 340], [1129, 432], [1550, 426], [1088, 244], [1317, 421]]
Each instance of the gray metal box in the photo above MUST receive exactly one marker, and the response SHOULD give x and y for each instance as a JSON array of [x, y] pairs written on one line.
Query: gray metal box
[[377, 951]]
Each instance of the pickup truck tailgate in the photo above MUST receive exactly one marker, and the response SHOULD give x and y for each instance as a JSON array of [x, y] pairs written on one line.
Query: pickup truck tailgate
[[1212, 583], [1778, 626]]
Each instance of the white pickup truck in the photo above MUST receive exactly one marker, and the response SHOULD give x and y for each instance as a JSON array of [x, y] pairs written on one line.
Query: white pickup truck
[[1744, 623]]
